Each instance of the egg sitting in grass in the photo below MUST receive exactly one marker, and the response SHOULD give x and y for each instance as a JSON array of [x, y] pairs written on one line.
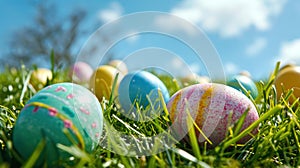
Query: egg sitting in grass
[[194, 79], [102, 81], [288, 78], [120, 65], [213, 107], [81, 73], [61, 114], [39, 78], [241, 82], [139, 90]]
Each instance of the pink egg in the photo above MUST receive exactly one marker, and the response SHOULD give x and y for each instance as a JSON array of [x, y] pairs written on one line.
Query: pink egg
[[81, 72], [213, 107]]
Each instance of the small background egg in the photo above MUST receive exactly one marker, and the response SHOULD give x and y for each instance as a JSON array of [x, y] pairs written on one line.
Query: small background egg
[[39, 77], [210, 106], [102, 81], [120, 65], [245, 73], [58, 106], [288, 78], [246, 82], [81, 72], [135, 87], [194, 79]]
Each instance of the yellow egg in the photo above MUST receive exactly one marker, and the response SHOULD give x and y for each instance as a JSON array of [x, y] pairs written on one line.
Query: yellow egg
[[102, 81], [120, 65], [288, 78], [39, 78]]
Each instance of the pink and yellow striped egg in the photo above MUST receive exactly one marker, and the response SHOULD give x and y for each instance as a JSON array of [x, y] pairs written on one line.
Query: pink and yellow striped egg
[[213, 107]]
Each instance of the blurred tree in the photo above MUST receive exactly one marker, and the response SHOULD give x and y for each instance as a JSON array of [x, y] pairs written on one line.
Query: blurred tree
[[33, 43]]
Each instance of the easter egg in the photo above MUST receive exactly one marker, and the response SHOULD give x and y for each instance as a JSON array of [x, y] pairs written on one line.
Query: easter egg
[[39, 77], [55, 108], [213, 107], [137, 86], [246, 82], [245, 73], [194, 79], [81, 72], [120, 65], [102, 82], [288, 78]]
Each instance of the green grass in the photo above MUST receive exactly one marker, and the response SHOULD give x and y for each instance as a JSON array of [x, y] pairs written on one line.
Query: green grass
[[276, 144]]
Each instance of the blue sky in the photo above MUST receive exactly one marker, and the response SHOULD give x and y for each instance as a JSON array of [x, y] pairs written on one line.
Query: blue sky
[[248, 35]]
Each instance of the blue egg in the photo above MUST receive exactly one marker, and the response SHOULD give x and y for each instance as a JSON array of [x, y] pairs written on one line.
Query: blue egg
[[138, 88], [246, 82], [58, 107]]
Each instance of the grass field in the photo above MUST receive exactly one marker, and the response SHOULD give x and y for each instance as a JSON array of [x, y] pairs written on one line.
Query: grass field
[[276, 144]]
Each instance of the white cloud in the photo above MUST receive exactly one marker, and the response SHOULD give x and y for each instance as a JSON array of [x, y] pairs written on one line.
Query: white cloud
[[290, 52], [257, 46], [231, 68], [170, 23], [229, 17], [114, 11]]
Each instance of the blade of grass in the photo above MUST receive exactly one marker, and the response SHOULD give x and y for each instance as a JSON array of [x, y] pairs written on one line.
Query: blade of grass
[[151, 162], [9, 145], [253, 126], [192, 133], [240, 122], [75, 151], [26, 82], [111, 98], [195, 125], [36, 154], [128, 126], [11, 113], [189, 157]]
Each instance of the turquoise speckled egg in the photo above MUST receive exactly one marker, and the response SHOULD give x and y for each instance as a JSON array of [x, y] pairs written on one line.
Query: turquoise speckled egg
[[136, 86], [246, 82], [60, 106]]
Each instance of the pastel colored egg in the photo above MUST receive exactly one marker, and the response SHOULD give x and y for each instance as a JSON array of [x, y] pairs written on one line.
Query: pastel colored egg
[[194, 79], [39, 77], [120, 65], [288, 78], [102, 82], [245, 73], [246, 82], [55, 108], [81, 72], [136, 86], [210, 105]]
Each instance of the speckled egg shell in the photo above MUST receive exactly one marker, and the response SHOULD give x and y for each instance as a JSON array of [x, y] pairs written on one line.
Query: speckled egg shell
[[102, 82], [39, 77], [81, 72], [120, 65], [246, 82], [288, 78], [46, 114], [210, 105], [135, 87]]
